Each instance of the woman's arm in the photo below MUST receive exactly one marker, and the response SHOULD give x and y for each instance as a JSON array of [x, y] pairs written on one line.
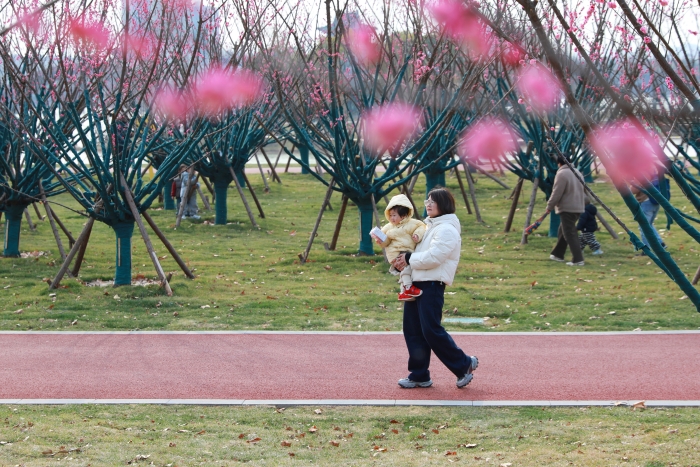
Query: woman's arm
[[441, 246]]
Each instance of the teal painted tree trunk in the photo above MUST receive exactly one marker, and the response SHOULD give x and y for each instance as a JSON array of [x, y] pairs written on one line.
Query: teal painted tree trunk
[[220, 190], [124, 231], [433, 179], [554, 221], [13, 223], [168, 201], [304, 156], [366, 224]]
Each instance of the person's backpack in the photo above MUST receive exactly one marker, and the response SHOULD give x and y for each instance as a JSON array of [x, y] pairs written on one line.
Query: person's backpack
[[173, 189]]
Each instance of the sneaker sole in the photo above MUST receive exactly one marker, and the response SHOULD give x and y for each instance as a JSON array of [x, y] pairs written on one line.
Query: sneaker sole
[[412, 299], [473, 366], [425, 384]]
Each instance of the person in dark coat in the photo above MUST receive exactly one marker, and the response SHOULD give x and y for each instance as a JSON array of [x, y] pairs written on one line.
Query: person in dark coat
[[588, 225]]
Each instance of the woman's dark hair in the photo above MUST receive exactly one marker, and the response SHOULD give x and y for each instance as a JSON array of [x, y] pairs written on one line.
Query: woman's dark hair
[[443, 199], [561, 160], [402, 211]]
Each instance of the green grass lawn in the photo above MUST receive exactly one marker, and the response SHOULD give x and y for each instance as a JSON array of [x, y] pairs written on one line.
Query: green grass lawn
[[252, 279], [99, 435]]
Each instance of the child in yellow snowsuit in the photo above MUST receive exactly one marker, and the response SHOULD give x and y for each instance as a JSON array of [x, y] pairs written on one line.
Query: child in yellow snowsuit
[[402, 232]]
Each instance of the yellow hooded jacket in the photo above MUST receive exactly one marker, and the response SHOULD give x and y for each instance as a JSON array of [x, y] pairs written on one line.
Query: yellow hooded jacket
[[399, 237]]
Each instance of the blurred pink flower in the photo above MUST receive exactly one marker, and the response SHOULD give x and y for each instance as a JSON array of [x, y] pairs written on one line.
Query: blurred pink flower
[[32, 20], [511, 55], [173, 104], [539, 87], [629, 153], [388, 126], [363, 45], [464, 26], [490, 139], [89, 33], [137, 44], [219, 89]]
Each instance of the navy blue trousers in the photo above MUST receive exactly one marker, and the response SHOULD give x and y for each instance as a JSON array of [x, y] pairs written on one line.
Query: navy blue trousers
[[424, 333]]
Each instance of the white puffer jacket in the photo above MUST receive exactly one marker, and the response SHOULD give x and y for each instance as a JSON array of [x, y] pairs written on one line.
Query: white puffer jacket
[[437, 256]]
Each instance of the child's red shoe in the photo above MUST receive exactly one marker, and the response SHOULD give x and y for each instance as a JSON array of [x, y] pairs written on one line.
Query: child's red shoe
[[413, 291], [404, 297]]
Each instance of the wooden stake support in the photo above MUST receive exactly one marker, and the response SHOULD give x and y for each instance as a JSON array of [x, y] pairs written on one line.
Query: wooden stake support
[[262, 174], [52, 222], [145, 237], [168, 246], [205, 199], [38, 213], [210, 189], [472, 192], [461, 188], [81, 253], [607, 226], [243, 198], [338, 225], [255, 198], [514, 205], [272, 168], [76, 246], [495, 179], [32, 227], [71, 240], [304, 256]]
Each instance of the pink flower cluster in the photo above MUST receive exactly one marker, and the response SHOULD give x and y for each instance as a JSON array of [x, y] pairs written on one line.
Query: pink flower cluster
[[362, 41], [85, 33], [491, 139], [388, 126], [629, 152], [464, 26], [539, 87], [215, 91]]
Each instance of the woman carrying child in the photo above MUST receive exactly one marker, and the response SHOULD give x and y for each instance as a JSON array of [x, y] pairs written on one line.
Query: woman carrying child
[[433, 265]]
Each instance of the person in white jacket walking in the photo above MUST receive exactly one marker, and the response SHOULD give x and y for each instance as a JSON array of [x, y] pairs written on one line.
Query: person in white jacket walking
[[433, 265]]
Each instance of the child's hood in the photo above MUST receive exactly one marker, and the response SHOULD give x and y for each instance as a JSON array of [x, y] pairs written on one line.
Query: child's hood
[[399, 200], [591, 210]]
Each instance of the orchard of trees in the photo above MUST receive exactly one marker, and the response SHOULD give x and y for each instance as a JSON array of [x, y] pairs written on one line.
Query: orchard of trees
[[94, 93]]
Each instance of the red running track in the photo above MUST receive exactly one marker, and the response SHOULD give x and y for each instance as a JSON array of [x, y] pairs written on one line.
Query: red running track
[[274, 366]]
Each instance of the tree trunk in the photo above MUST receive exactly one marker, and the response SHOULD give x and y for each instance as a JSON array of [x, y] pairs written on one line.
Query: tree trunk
[[168, 201], [124, 231], [13, 224], [366, 224], [304, 156], [220, 188]]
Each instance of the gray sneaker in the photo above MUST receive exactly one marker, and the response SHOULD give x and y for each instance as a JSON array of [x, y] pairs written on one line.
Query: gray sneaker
[[556, 258], [578, 263], [467, 378], [408, 383]]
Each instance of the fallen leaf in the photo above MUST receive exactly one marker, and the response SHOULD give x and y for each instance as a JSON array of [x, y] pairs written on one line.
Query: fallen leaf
[[254, 440], [468, 446], [318, 411], [394, 421], [291, 454], [172, 445], [285, 444], [533, 283], [292, 233], [204, 306], [200, 432], [436, 431], [451, 453], [639, 405], [47, 452], [506, 464], [241, 436], [18, 312], [334, 443], [395, 431], [313, 429]]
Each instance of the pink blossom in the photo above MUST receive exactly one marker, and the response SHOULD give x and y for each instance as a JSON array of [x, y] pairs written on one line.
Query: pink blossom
[[491, 139], [629, 152], [539, 87], [173, 104], [89, 33], [464, 26], [32, 20], [138, 45], [388, 126], [363, 44], [219, 89], [612, 5], [511, 55]]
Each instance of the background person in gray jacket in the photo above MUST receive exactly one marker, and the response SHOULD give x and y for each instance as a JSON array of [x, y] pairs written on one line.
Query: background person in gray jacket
[[567, 200]]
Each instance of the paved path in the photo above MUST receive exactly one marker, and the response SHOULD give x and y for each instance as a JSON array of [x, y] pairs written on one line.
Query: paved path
[[343, 367]]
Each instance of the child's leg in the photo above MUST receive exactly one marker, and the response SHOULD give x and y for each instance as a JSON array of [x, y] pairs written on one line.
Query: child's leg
[[593, 242], [405, 278], [582, 241]]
